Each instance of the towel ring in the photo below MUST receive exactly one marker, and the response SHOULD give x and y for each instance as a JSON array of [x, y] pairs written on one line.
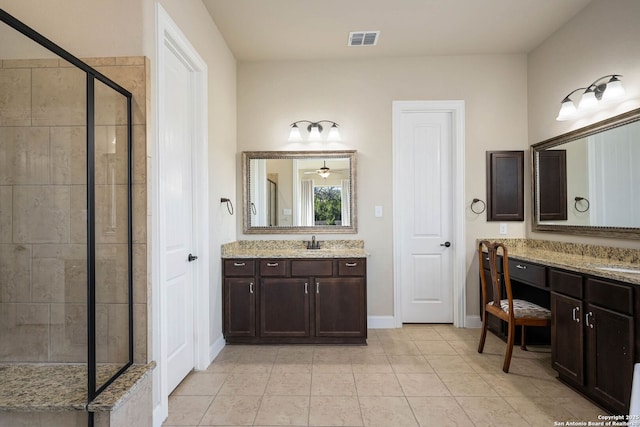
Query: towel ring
[[229, 204], [581, 199], [484, 206]]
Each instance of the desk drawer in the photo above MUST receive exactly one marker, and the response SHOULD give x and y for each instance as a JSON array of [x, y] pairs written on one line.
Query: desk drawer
[[609, 295], [239, 267], [533, 274], [485, 262], [273, 267], [566, 283], [316, 267], [351, 267]]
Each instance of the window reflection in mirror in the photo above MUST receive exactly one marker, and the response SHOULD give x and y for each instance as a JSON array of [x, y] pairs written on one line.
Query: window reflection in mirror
[[299, 192]]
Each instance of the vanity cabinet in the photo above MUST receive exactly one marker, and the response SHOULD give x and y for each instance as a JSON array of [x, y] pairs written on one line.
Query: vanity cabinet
[[593, 336], [296, 301]]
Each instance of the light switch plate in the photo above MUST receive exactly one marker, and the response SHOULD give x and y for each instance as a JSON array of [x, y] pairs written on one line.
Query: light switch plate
[[378, 211], [503, 228]]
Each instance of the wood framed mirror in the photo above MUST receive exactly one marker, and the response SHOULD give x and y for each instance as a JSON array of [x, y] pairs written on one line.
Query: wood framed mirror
[[586, 181], [299, 192]]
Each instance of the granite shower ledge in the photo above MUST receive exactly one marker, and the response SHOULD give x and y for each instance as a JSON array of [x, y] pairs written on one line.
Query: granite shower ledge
[[580, 258], [293, 249], [58, 387]]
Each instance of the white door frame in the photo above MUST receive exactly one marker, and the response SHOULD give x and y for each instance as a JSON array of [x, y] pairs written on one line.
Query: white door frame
[[457, 110], [168, 33]]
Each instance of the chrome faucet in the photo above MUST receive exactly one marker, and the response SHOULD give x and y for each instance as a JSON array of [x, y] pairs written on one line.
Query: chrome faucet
[[313, 244]]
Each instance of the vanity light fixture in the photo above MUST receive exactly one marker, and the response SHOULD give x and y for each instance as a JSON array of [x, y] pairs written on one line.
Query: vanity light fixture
[[315, 130], [592, 95]]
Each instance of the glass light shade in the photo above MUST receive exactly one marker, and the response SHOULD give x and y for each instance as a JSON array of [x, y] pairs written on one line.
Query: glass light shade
[[567, 111], [294, 134], [314, 133], [324, 174], [334, 134], [613, 91], [588, 100]]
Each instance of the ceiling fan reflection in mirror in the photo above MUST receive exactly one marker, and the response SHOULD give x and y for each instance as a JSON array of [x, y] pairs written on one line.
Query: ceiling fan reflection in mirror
[[324, 171]]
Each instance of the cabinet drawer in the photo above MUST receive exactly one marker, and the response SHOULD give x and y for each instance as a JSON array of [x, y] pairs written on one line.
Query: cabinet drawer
[[532, 274], [351, 267], [566, 283], [609, 295], [239, 267], [314, 268], [273, 267], [485, 262]]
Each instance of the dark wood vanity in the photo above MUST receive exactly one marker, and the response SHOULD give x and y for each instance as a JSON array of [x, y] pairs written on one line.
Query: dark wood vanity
[[295, 300], [595, 330]]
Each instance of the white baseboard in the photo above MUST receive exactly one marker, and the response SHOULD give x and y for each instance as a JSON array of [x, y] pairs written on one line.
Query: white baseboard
[[216, 348], [473, 322], [381, 322]]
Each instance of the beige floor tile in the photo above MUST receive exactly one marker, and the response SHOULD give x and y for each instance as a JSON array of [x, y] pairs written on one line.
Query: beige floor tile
[[299, 368], [554, 388], [371, 363], [289, 384], [441, 411], [467, 384], [187, 410], [332, 368], [232, 410], [452, 363], [512, 385], [490, 411], [248, 367], [540, 411], [400, 348], [200, 384], [422, 385], [380, 411], [332, 385], [580, 408], [428, 348], [283, 410], [410, 365], [400, 334], [424, 334], [245, 384], [222, 366], [377, 385], [334, 411]]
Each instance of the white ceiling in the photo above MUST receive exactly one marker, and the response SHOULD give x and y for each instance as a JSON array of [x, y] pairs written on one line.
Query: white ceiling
[[319, 29]]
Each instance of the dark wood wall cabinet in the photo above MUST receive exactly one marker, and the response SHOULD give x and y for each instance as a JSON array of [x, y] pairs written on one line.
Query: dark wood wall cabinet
[[595, 329], [505, 185], [552, 176], [303, 301]]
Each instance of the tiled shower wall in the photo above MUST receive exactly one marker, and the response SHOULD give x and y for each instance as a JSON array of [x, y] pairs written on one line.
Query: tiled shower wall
[[43, 311]]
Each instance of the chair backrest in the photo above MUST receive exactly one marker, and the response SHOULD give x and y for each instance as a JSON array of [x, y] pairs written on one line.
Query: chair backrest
[[492, 249]]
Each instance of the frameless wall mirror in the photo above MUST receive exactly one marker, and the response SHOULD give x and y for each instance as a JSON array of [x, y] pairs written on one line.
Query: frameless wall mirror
[[586, 181], [299, 192]]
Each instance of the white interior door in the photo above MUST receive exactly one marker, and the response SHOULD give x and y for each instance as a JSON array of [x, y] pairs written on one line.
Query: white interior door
[[423, 215], [177, 217]]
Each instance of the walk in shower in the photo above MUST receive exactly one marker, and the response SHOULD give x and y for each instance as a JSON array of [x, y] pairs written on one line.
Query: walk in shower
[[65, 219]]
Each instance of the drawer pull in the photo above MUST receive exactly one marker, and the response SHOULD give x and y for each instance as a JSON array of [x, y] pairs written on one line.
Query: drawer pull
[[239, 264], [272, 264], [576, 316], [351, 264], [586, 319], [317, 287], [521, 267], [487, 259], [306, 288], [251, 287]]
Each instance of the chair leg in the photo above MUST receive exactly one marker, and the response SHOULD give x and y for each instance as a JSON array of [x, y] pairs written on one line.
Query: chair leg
[[523, 342], [510, 339], [483, 335]]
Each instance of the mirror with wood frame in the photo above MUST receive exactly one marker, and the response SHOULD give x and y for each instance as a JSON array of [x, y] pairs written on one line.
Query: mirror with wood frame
[[586, 181], [299, 192]]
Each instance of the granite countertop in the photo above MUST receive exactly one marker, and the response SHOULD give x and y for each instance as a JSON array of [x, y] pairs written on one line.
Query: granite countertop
[[293, 249], [62, 387], [577, 257]]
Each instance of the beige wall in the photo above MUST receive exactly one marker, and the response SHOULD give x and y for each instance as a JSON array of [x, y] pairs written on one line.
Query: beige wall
[[602, 39], [358, 95]]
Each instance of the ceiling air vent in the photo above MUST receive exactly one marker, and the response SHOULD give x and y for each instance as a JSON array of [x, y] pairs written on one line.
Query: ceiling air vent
[[363, 38]]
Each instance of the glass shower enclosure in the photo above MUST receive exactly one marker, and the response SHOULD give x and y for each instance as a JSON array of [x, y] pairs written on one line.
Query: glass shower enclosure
[[65, 211]]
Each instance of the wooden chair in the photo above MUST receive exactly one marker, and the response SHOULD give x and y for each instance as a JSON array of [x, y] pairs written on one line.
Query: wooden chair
[[515, 312]]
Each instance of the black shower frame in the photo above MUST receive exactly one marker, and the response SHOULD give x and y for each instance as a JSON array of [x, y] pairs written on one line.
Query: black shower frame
[[93, 75]]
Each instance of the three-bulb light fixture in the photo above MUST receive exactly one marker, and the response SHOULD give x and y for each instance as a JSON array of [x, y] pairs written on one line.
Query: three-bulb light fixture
[[315, 130], [594, 93]]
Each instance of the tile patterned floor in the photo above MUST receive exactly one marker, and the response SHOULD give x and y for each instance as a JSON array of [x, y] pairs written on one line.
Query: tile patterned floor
[[420, 375]]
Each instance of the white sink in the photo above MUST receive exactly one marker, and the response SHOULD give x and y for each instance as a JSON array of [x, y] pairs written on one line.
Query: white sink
[[618, 269]]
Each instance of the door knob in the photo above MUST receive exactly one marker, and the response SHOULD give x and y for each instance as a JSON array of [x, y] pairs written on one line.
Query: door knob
[[192, 258], [445, 244]]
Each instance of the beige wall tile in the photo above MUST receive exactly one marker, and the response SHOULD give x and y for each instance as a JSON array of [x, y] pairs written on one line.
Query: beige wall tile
[[112, 277], [24, 155], [39, 419], [32, 63], [68, 333], [71, 286], [139, 273], [98, 61], [69, 155], [111, 214], [48, 280], [118, 339], [6, 214], [78, 213], [139, 154], [139, 213], [41, 214], [15, 97], [59, 97], [140, 333], [133, 79], [137, 410], [24, 332], [102, 333], [110, 105], [111, 155], [15, 273], [130, 60]]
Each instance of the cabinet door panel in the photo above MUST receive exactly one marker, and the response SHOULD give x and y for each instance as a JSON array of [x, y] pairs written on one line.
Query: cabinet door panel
[[567, 342], [610, 356], [340, 310], [240, 312], [284, 307]]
